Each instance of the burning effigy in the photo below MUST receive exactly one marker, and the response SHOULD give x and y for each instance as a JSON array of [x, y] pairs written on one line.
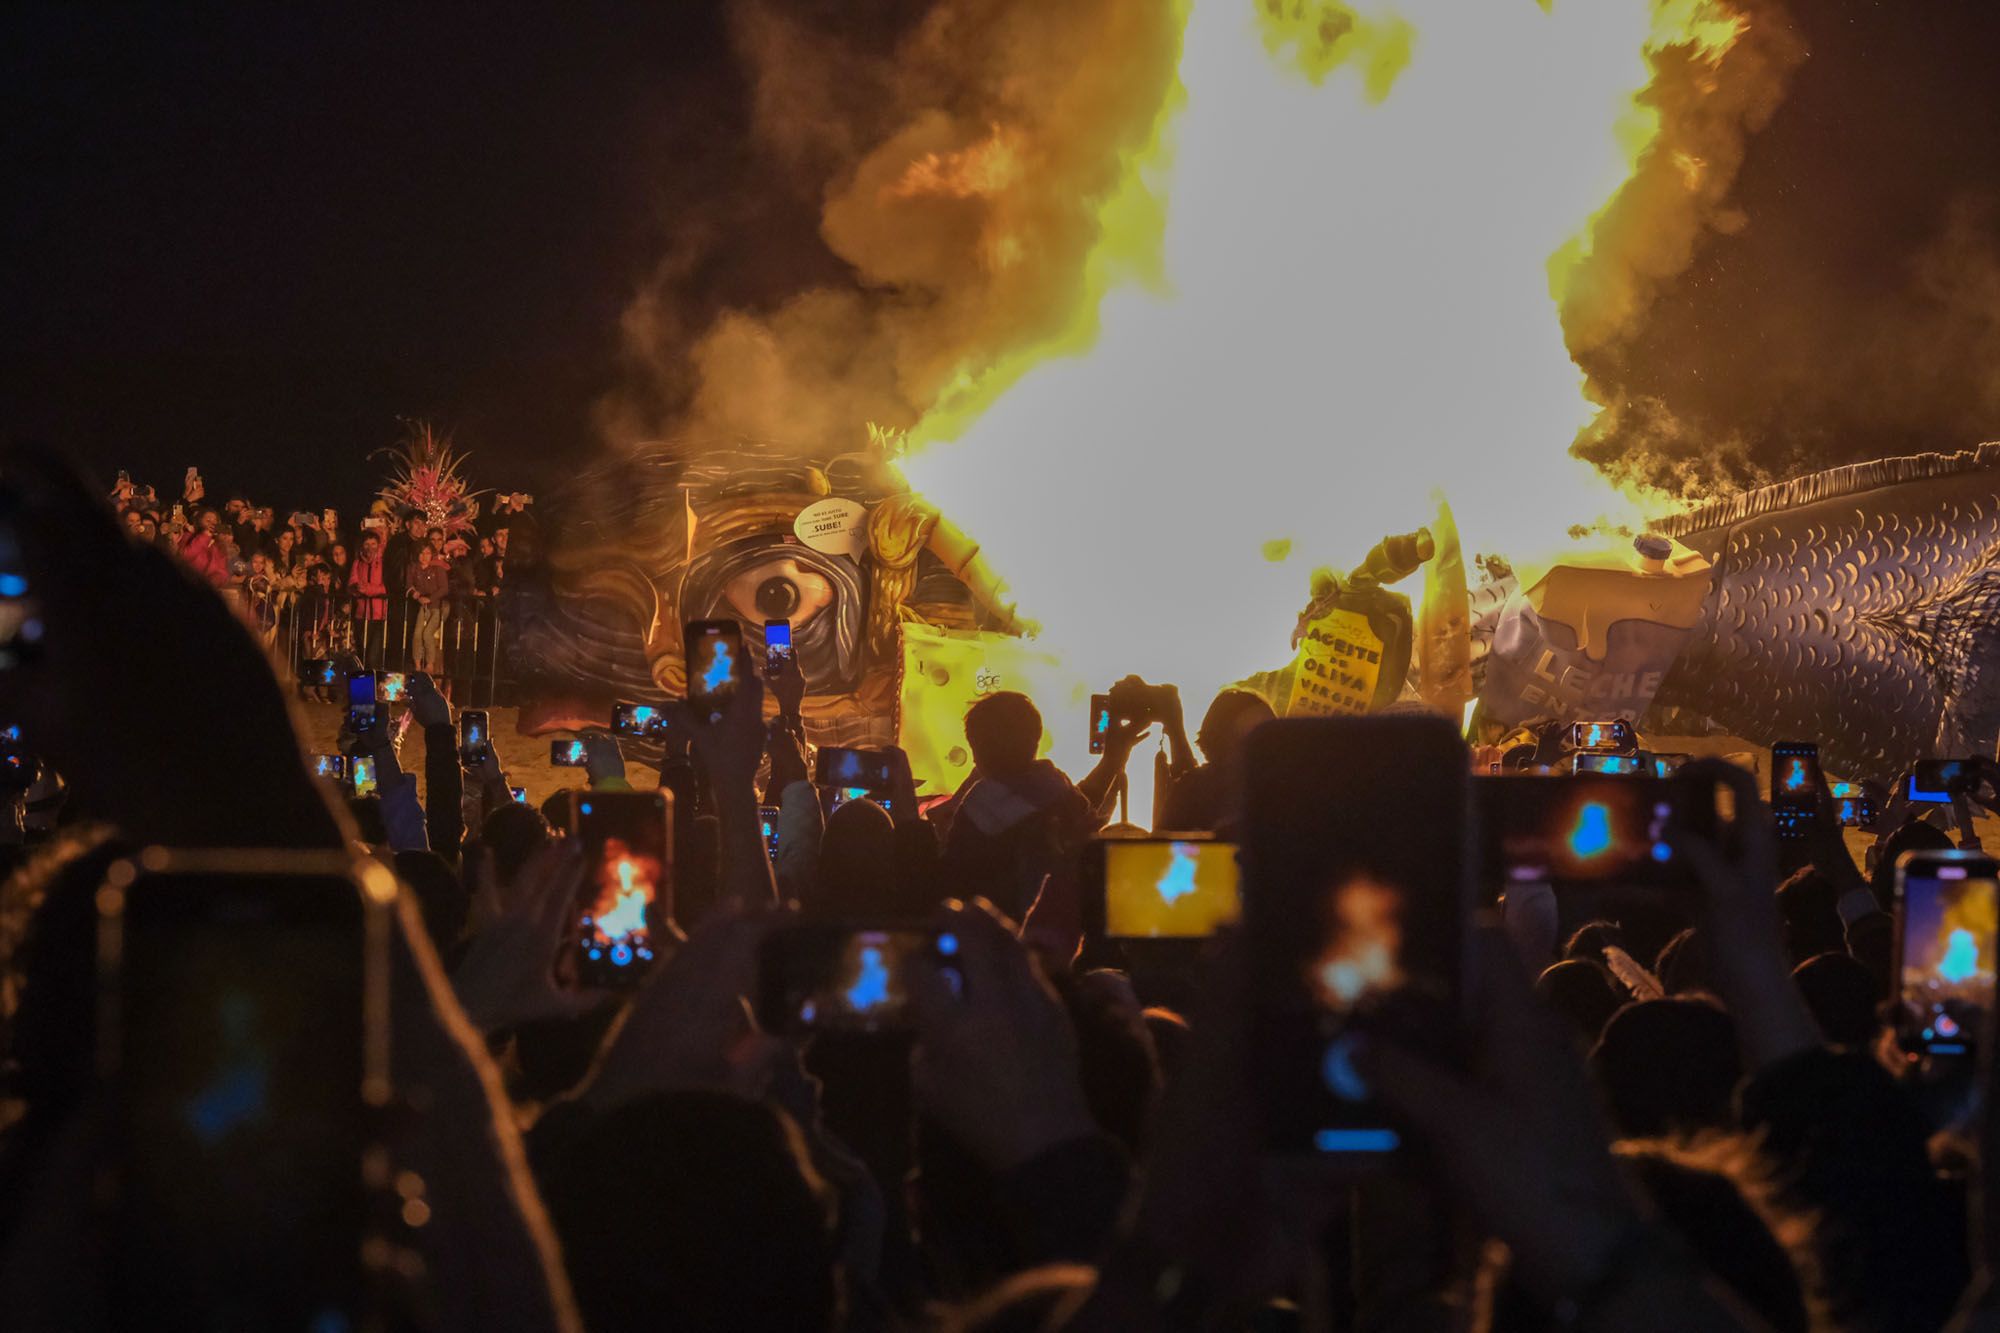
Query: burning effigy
[[1156, 372], [1860, 606]]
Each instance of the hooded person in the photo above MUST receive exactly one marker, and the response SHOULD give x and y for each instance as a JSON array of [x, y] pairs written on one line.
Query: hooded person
[[1017, 817]]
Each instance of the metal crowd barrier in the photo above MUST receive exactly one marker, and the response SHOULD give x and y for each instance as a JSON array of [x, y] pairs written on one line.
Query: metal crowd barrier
[[471, 648]]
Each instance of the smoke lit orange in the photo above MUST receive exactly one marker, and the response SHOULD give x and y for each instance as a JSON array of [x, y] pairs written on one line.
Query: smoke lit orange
[[1379, 220]]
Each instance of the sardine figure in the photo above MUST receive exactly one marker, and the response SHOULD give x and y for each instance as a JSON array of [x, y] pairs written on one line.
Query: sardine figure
[[1859, 607]]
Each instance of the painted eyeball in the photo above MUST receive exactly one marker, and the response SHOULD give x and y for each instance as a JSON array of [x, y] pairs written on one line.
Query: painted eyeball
[[778, 589]]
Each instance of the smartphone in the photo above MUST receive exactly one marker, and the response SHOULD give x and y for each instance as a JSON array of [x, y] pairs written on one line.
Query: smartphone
[[645, 721], [848, 976], [318, 671], [566, 754], [330, 766], [1163, 889], [1356, 891], [243, 1040], [1100, 721], [1945, 950], [1583, 835], [1794, 787], [361, 700], [1598, 761], [475, 740], [18, 767], [715, 666], [1666, 765], [394, 687], [870, 772], [777, 645], [1854, 806], [1613, 735], [518, 795], [11, 733], [1935, 780], [767, 820], [627, 892], [20, 610], [361, 775]]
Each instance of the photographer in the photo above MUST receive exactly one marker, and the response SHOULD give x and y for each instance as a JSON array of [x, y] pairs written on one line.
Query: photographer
[[1205, 796], [202, 547]]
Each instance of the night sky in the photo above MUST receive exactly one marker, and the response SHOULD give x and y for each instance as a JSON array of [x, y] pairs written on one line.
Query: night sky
[[251, 238]]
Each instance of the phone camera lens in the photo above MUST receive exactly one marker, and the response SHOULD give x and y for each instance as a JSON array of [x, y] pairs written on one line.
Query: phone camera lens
[[777, 598]]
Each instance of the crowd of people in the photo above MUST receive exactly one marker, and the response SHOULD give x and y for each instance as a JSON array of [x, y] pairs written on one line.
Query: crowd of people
[[1716, 1133], [398, 590]]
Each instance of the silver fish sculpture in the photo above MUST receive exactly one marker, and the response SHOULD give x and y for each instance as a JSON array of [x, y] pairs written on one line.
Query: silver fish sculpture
[[1859, 607]]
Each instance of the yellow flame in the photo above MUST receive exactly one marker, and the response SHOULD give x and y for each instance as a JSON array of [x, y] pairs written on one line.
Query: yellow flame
[[1373, 213]]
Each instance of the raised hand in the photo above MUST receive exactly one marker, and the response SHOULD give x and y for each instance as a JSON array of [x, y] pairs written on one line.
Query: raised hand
[[603, 761], [788, 685], [995, 1062], [1737, 867], [730, 746], [690, 1024], [427, 706], [506, 976], [1521, 1141]]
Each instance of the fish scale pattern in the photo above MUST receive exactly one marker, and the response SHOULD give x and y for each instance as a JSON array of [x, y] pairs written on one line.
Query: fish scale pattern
[[1868, 620]]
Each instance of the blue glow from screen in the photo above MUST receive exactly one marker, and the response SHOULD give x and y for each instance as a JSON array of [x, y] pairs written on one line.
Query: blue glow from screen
[[236, 1095], [1592, 834], [1178, 882], [871, 988], [721, 666], [1357, 1140]]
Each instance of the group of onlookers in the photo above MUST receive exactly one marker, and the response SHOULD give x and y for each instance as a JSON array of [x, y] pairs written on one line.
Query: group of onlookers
[[395, 591]]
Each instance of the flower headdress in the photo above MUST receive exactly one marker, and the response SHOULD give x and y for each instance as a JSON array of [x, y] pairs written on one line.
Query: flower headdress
[[424, 480]]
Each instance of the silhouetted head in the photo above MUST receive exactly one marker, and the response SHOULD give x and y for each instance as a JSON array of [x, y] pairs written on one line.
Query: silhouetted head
[[1592, 938], [1682, 965], [1668, 1067], [1840, 991], [1004, 730], [1114, 1049], [556, 809], [1227, 724], [1812, 924], [441, 899], [857, 860], [1914, 836], [513, 833], [367, 812], [1584, 992]]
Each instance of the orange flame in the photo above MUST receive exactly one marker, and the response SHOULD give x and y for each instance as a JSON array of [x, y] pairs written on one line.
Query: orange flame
[[1382, 219]]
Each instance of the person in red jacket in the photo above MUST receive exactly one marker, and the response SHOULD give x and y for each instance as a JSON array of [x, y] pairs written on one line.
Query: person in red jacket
[[371, 598], [202, 549]]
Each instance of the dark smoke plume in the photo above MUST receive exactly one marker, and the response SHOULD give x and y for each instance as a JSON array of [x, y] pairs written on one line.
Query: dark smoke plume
[[1842, 302], [954, 158]]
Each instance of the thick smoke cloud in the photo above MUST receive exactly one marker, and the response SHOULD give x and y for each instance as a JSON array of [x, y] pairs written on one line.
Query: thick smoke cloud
[[957, 159], [894, 198], [1841, 301]]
